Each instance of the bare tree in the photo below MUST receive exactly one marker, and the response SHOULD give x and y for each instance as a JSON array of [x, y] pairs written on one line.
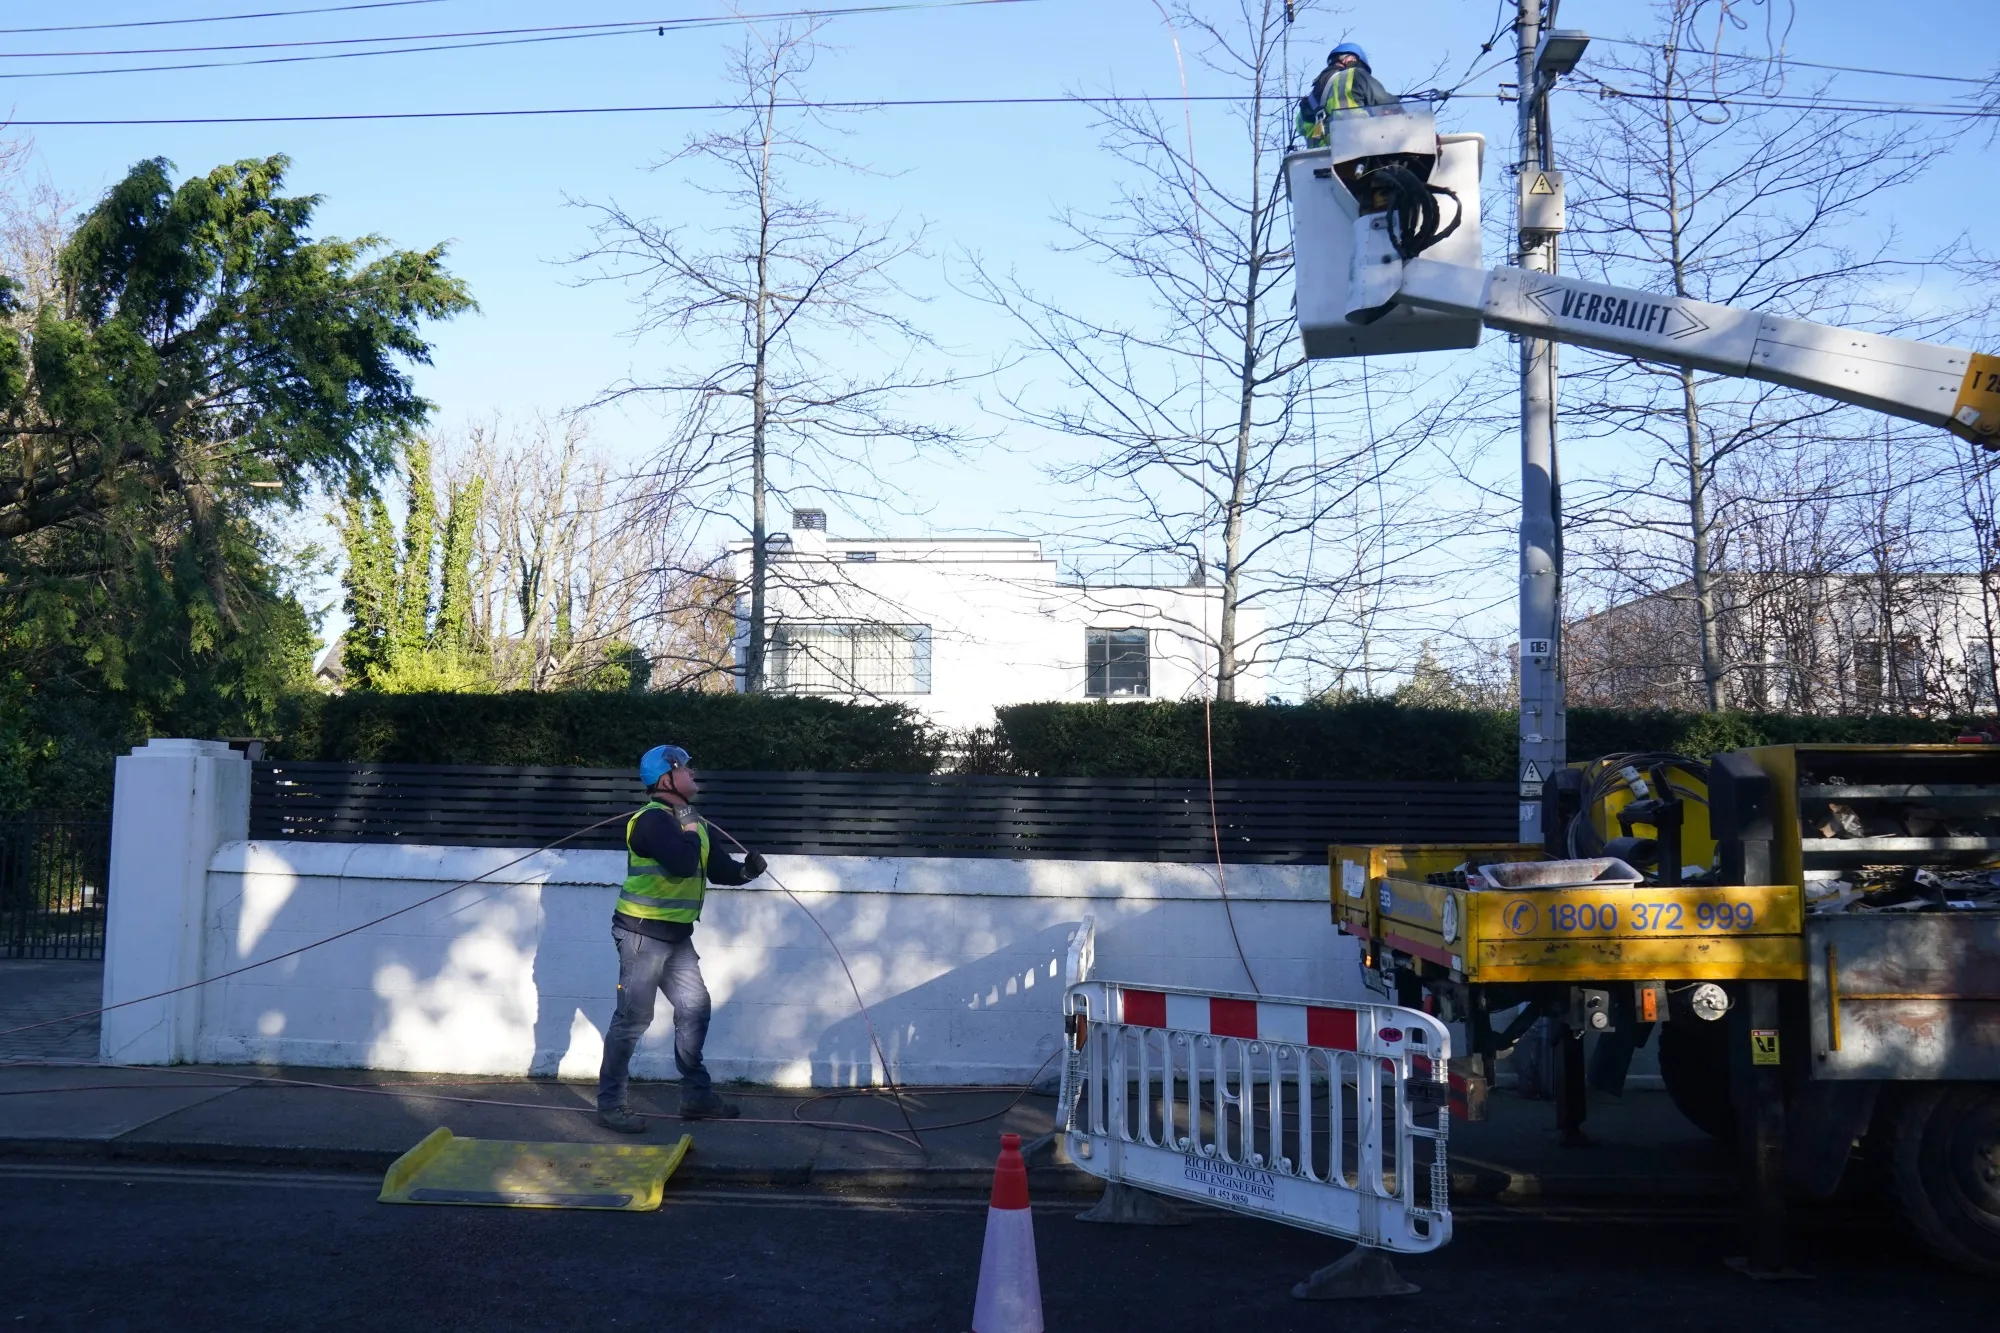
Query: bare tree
[[1675, 186], [34, 223], [556, 584], [774, 296], [1212, 447]]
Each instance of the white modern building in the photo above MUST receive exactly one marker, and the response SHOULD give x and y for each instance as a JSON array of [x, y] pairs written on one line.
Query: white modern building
[[1801, 642], [956, 627]]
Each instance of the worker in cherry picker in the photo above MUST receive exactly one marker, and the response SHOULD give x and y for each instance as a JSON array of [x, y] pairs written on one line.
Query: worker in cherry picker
[[1346, 84]]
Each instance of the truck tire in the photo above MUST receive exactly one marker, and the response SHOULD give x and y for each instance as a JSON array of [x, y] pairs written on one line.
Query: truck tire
[[1944, 1170], [1694, 1064]]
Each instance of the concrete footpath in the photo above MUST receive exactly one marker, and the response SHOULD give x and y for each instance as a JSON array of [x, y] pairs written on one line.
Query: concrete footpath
[[54, 1101], [362, 1120]]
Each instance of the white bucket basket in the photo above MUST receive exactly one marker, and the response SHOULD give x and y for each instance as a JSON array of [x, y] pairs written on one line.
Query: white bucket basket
[[1323, 232]]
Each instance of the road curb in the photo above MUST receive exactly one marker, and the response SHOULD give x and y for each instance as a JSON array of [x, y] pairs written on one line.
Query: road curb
[[1049, 1181], [1472, 1181]]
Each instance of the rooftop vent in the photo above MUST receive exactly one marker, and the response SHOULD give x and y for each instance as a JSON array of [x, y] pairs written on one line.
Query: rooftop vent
[[809, 520]]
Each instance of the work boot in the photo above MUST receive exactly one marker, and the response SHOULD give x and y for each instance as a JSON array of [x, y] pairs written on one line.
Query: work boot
[[707, 1106], [621, 1120]]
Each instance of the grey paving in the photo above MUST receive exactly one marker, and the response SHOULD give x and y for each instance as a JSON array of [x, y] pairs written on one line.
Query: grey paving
[[33, 990], [365, 1119]]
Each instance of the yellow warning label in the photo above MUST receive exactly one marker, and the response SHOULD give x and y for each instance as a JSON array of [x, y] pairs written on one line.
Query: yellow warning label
[[1541, 185], [1764, 1046], [1976, 415]]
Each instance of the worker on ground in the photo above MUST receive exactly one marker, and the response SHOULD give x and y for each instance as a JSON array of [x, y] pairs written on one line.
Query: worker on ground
[[668, 866], [1346, 84]]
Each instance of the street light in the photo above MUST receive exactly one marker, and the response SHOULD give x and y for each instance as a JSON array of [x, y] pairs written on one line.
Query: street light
[[1557, 53]]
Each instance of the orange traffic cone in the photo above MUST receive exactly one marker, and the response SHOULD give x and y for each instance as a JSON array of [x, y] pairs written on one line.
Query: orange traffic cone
[[1010, 1290]]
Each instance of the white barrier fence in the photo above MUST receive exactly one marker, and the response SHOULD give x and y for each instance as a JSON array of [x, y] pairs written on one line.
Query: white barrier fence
[[1331, 1117]]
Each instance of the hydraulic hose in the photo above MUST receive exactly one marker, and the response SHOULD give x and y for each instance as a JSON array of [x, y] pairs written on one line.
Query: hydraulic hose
[[1416, 222]]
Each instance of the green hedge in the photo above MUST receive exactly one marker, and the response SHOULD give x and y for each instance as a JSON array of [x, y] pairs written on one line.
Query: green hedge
[[1379, 739], [602, 729], [69, 767]]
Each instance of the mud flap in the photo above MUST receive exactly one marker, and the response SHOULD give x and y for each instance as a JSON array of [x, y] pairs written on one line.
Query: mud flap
[[1826, 1117]]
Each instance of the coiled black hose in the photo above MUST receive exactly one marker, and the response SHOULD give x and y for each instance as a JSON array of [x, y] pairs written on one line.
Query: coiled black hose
[[1416, 222]]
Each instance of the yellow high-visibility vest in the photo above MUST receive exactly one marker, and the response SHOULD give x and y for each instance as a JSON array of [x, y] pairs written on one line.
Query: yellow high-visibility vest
[[1340, 90], [650, 893]]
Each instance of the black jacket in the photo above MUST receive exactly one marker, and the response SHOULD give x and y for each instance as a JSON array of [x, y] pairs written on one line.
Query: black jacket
[[1368, 91], [669, 837]]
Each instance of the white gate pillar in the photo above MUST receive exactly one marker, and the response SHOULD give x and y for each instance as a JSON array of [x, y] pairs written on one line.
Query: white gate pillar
[[174, 803]]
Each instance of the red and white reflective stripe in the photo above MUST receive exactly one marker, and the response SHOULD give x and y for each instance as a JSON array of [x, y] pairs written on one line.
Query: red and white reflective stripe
[[1258, 1020]]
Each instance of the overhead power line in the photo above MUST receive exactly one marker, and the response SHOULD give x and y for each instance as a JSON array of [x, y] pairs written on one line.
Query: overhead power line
[[1801, 64], [631, 110], [456, 41], [219, 18], [632, 25], [893, 103], [1850, 106]]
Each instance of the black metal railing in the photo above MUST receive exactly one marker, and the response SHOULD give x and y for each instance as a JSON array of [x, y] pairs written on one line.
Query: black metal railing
[[876, 814], [53, 875]]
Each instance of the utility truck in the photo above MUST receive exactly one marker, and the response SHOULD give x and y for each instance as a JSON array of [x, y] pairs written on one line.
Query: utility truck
[[1829, 978]]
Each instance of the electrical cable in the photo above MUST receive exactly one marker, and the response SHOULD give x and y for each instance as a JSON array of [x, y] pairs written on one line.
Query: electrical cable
[[1021, 1093], [377, 1091], [623, 27], [866, 1018], [557, 34], [1799, 64], [874, 1038], [351, 930], [1207, 704], [1603, 775], [1414, 216], [217, 18], [797, 105]]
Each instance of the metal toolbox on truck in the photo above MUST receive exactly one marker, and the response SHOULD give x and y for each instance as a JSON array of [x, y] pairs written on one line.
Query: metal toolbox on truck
[[1385, 894]]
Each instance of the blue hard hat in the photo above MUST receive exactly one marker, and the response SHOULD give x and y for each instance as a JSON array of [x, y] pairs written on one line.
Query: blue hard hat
[[1349, 49], [659, 761]]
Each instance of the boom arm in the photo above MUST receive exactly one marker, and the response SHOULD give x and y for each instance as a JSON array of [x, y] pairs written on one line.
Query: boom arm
[[1925, 382]]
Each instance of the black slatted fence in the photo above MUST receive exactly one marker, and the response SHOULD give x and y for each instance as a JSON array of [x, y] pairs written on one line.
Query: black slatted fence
[[873, 814]]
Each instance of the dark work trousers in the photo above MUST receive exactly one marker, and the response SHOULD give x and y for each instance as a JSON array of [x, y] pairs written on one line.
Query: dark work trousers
[[647, 966]]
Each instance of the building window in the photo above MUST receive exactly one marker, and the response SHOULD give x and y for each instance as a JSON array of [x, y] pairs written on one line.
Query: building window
[[850, 659], [1119, 662], [1888, 672], [1979, 666]]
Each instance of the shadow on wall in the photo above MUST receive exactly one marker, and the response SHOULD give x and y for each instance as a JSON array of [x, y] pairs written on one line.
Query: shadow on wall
[[954, 1019], [570, 1028]]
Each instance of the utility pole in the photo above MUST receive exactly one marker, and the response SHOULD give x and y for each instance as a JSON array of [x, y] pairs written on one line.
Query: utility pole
[[1544, 723]]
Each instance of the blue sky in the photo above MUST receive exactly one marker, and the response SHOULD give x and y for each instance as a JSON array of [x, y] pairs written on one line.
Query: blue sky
[[983, 180]]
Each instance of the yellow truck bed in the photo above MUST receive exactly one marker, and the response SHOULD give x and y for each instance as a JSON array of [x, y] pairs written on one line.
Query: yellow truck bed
[[1644, 933]]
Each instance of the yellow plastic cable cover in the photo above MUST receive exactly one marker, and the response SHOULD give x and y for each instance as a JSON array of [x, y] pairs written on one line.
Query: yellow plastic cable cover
[[495, 1174]]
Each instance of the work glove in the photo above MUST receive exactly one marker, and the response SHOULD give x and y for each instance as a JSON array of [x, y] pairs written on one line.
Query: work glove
[[753, 865]]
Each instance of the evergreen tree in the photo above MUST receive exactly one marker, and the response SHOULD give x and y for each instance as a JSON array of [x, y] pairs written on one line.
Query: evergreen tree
[[412, 632], [454, 620]]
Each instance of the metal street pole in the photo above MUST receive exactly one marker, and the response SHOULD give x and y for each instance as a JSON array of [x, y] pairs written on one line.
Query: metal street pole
[[1544, 727]]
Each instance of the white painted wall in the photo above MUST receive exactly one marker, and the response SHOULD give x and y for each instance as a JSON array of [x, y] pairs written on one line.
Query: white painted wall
[[959, 960], [1005, 628], [177, 801]]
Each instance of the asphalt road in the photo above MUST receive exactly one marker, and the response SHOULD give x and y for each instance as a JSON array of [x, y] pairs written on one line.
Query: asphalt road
[[104, 1248]]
